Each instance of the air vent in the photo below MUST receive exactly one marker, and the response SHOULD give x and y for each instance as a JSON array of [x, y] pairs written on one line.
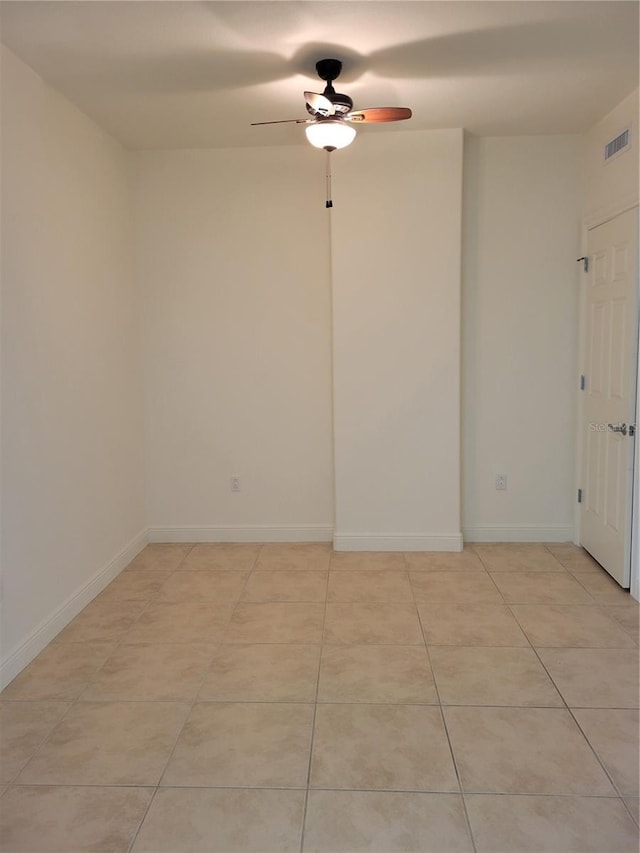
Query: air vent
[[617, 145]]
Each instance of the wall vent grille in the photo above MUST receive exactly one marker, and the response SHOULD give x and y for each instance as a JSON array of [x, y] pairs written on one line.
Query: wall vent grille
[[616, 145]]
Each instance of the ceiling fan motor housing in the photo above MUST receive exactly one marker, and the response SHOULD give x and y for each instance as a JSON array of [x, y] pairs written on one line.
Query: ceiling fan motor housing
[[342, 103]]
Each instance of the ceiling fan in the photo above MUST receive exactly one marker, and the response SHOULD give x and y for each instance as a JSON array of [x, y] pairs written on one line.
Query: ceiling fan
[[332, 113]]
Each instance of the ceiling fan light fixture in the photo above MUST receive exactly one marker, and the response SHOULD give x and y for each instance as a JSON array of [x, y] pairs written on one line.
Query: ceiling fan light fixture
[[330, 134]]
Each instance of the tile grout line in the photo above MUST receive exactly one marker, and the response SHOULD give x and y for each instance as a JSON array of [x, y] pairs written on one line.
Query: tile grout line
[[301, 789], [498, 590], [315, 711], [571, 714], [334, 702], [134, 835], [191, 704], [623, 799], [444, 724], [117, 644], [71, 702], [41, 743], [619, 624], [121, 638], [120, 642], [595, 602]]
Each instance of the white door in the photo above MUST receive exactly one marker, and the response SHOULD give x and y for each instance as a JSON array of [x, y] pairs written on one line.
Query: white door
[[609, 406]]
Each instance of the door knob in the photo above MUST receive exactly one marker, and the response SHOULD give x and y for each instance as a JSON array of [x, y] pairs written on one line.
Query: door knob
[[618, 428]]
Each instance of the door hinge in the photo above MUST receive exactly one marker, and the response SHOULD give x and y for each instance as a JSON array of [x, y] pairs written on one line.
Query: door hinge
[[579, 496], [585, 262], [583, 381]]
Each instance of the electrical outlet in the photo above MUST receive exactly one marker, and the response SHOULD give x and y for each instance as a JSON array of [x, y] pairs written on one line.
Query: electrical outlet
[[235, 483], [501, 482]]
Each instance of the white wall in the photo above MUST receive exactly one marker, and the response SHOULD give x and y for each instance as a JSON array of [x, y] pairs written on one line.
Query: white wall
[[611, 186], [396, 246], [233, 265], [72, 489], [233, 258], [236, 267], [520, 300]]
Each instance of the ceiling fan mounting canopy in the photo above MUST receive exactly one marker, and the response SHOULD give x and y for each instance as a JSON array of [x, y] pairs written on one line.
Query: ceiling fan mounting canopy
[[328, 69]]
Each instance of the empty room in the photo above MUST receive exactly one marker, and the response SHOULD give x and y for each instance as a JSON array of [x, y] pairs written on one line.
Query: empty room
[[320, 503]]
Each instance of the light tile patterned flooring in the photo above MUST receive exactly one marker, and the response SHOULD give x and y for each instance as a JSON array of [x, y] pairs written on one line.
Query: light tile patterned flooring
[[286, 698]]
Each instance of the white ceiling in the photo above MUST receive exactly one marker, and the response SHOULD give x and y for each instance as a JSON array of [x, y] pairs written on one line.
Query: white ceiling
[[195, 74]]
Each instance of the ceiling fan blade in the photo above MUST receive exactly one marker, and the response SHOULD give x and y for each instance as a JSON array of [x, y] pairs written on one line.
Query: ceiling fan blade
[[375, 115], [319, 104], [284, 121]]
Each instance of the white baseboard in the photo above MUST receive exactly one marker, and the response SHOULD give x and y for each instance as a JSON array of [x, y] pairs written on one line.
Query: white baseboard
[[397, 542], [519, 533], [241, 533], [20, 656]]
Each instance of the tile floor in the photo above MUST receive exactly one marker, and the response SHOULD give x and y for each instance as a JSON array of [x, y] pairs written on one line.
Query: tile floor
[[286, 698]]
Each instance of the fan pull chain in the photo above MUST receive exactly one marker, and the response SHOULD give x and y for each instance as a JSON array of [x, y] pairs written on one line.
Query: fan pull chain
[[329, 202]]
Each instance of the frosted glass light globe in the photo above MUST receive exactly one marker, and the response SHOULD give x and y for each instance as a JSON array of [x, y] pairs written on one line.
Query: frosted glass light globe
[[330, 134]]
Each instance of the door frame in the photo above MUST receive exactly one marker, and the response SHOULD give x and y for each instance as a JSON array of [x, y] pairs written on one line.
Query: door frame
[[588, 224]]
